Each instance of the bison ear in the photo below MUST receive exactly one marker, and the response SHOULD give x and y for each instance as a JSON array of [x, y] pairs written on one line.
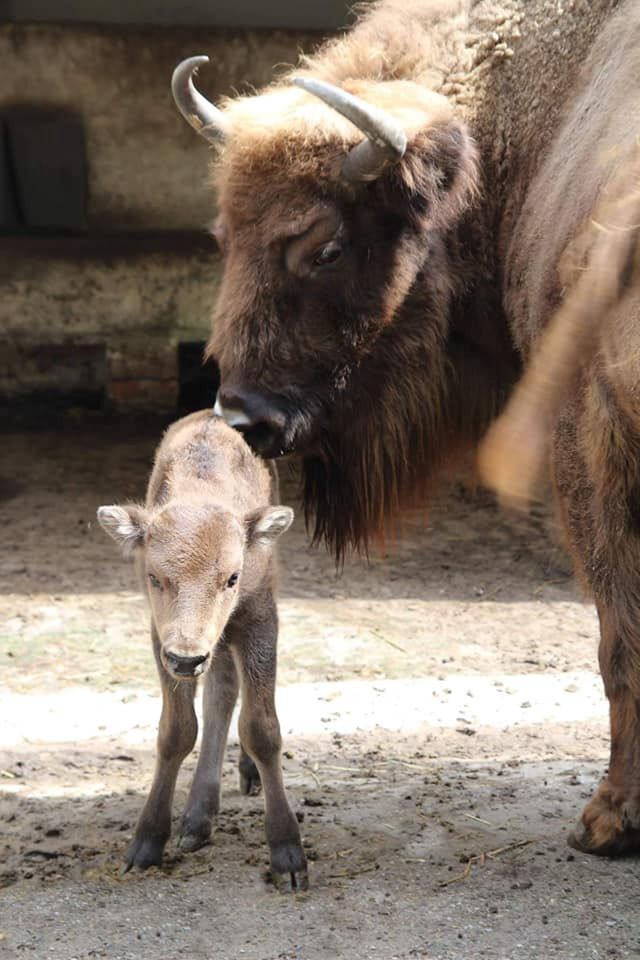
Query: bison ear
[[264, 526], [126, 525], [438, 175]]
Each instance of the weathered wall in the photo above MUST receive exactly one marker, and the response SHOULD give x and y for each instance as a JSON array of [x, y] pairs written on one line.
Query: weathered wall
[[147, 168], [287, 14], [136, 297], [145, 277]]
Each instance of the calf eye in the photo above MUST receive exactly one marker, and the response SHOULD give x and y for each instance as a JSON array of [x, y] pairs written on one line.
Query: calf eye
[[233, 579], [155, 582], [328, 254]]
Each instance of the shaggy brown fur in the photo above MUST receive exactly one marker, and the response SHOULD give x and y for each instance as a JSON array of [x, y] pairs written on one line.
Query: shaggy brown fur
[[576, 244], [602, 266], [386, 368], [203, 545], [519, 116]]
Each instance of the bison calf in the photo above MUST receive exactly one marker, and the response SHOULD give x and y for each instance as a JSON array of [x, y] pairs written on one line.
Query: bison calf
[[203, 546]]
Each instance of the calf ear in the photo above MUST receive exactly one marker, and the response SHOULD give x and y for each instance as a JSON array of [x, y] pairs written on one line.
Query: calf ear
[[266, 525], [127, 525]]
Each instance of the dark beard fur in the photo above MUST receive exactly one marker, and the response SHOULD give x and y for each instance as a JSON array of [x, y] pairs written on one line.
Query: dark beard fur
[[362, 483], [387, 458]]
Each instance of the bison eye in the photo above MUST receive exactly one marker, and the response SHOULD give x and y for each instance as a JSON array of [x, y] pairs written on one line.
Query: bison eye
[[233, 579], [327, 254], [155, 582]]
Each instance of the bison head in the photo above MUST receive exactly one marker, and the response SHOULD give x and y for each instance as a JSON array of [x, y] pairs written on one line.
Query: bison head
[[330, 327]]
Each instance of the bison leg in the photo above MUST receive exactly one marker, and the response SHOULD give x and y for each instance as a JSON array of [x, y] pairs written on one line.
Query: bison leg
[[259, 730], [597, 479], [176, 736], [610, 823], [203, 803]]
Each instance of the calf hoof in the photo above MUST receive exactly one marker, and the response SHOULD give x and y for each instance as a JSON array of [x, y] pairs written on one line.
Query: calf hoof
[[288, 871], [145, 851], [610, 826], [250, 784], [290, 882], [194, 833]]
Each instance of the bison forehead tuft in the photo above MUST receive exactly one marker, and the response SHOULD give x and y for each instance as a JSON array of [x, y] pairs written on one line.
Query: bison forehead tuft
[[283, 109], [286, 131]]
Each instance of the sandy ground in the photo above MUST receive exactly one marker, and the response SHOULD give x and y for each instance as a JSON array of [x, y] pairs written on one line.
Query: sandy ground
[[443, 723]]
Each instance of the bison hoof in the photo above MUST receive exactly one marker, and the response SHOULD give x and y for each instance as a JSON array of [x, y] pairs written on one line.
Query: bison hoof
[[144, 852], [288, 871], [618, 844], [610, 826], [250, 784]]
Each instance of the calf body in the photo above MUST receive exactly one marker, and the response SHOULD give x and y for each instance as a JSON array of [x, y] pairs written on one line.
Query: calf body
[[203, 546]]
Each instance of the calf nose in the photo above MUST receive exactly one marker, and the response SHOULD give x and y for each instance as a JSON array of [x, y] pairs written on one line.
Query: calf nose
[[257, 416], [185, 666]]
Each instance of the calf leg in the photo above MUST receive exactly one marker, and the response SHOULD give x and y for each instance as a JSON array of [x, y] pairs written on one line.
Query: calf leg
[[610, 822], [259, 730], [249, 775], [176, 736], [220, 695]]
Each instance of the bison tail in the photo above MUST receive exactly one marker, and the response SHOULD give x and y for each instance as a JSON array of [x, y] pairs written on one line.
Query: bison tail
[[515, 450]]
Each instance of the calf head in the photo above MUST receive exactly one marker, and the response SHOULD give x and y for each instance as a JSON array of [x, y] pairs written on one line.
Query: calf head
[[197, 559]]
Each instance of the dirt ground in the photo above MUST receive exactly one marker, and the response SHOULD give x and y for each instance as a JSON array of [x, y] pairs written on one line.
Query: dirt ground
[[443, 723]]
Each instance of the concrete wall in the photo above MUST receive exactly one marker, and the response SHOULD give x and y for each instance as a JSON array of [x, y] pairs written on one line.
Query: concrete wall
[[128, 299], [290, 14], [147, 168], [145, 277]]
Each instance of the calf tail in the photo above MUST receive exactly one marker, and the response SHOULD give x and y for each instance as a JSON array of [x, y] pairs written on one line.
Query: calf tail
[[516, 447]]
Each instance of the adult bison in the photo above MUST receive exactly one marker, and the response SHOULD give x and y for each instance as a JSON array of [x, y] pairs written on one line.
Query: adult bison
[[400, 219]]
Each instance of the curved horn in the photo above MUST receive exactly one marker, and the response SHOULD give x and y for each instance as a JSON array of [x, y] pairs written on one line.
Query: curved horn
[[203, 116], [386, 140]]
